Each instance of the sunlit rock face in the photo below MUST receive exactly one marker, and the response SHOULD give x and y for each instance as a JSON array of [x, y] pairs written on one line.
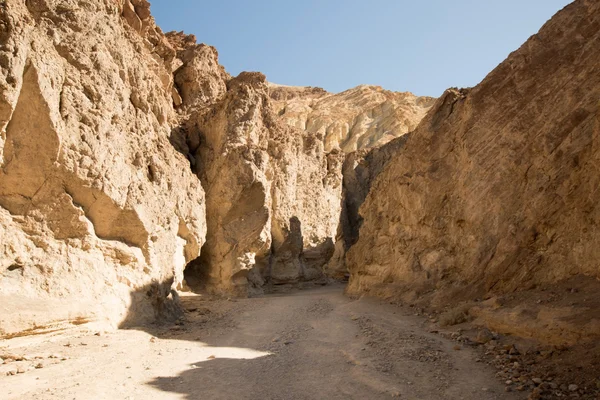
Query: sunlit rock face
[[273, 193], [360, 118], [98, 213], [497, 188]]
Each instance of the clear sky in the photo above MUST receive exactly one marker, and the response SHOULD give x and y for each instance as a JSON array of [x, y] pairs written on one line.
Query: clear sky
[[422, 46]]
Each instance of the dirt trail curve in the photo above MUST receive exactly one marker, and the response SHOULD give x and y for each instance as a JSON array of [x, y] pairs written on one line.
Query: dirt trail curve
[[311, 344]]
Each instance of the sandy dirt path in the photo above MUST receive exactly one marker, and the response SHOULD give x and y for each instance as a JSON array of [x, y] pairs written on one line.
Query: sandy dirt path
[[308, 344]]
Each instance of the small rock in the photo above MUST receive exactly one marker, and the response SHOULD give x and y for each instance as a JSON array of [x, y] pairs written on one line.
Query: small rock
[[513, 351], [211, 357], [11, 372], [484, 336], [55, 356], [520, 388], [573, 388], [536, 394], [39, 366], [509, 382], [1, 361], [152, 339], [21, 370], [537, 381]]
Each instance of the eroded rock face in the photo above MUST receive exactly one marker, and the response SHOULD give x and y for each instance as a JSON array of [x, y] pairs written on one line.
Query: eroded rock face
[[98, 213], [359, 171], [360, 118], [273, 194], [497, 189]]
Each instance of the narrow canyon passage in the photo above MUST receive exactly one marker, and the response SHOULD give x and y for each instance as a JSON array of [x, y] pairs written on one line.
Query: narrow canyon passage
[[305, 344]]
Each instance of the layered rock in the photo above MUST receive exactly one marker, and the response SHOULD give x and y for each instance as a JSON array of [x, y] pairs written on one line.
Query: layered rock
[[273, 194], [98, 213], [360, 118], [359, 171], [497, 189]]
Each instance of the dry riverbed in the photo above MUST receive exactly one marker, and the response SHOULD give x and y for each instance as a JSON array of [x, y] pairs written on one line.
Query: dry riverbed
[[305, 344]]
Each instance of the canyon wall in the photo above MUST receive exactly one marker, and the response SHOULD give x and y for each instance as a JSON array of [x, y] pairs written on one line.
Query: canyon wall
[[497, 188], [98, 213], [108, 131], [360, 118], [273, 194]]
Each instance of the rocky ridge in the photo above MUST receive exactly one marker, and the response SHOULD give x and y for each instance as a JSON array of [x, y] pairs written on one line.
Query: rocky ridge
[[364, 117]]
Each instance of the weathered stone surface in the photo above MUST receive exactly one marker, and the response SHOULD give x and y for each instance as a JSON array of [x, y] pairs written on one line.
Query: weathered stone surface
[[199, 79], [497, 189], [359, 118], [98, 213], [273, 194], [359, 171]]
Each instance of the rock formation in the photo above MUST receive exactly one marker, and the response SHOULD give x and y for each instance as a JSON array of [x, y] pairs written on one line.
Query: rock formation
[[273, 195], [98, 213], [497, 188], [104, 123], [360, 118], [359, 171]]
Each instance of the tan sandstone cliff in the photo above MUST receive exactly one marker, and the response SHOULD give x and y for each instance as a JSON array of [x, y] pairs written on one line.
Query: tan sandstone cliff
[[497, 189], [273, 194], [98, 213], [360, 118], [106, 127]]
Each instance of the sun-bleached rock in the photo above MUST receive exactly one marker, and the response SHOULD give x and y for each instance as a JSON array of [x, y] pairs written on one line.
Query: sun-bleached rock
[[497, 189], [98, 213], [360, 118], [273, 194]]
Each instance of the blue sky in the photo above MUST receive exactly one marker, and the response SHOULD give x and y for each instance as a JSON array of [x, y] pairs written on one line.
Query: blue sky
[[421, 46]]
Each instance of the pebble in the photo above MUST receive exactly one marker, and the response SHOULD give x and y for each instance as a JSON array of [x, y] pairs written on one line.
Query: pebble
[[1, 361], [484, 336], [537, 381], [39, 366], [573, 388]]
